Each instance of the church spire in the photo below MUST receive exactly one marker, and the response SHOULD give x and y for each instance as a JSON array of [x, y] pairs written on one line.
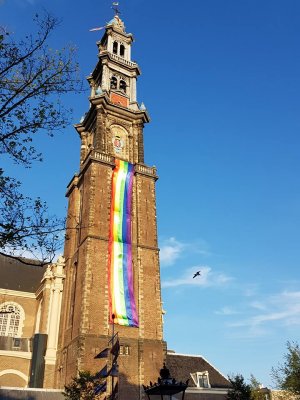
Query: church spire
[[116, 74], [113, 85]]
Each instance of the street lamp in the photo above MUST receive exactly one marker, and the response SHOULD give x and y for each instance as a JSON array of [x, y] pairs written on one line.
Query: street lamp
[[165, 386]]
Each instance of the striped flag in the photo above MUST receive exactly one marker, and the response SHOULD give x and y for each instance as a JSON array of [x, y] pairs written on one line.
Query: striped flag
[[97, 29], [121, 294]]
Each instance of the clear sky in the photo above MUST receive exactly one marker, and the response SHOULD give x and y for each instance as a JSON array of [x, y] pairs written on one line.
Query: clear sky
[[221, 81]]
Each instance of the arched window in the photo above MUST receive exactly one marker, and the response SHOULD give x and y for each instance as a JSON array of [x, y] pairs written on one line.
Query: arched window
[[122, 50], [11, 319], [113, 82], [115, 48], [123, 86]]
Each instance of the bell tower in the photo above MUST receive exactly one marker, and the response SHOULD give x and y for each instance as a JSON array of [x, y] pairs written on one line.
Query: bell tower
[[111, 250]]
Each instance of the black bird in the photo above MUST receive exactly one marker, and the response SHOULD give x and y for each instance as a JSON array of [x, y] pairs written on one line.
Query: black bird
[[198, 273]]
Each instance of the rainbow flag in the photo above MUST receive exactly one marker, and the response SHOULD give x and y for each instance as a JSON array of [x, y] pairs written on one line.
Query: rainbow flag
[[121, 293]]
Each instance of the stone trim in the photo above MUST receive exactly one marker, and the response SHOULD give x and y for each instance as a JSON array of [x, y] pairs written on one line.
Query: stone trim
[[133, 244], [198, 390], [14, 372], [18, 354], [146, 171], [16, 293]]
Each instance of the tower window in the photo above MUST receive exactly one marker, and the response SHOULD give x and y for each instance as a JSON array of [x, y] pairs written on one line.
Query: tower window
[[11, 320], [113, 82], [124, 350], [122, 50], [115, 48], [123, 86]]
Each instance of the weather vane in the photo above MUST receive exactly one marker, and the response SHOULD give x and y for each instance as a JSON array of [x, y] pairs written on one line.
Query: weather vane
[[115, 7]]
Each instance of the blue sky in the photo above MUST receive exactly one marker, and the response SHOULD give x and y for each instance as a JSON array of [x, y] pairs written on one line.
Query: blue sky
[[221, 81]]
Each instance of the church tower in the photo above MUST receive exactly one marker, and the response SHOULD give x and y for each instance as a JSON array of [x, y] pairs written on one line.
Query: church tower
[[111, 250]]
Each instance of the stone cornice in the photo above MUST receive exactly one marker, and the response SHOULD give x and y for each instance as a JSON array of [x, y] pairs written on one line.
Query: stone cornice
[[111, 28], [18, 354], [106, 56], [102, 101], [197, 390], [16, 293], [143, 169], [107, 159], [72, 184], [106, 239]]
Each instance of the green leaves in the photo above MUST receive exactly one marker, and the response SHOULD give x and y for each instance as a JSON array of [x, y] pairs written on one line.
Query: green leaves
[[287, 374], [240, 390], [82, 387]]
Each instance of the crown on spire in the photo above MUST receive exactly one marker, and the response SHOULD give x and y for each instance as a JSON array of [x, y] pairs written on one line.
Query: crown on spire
[[115, 6], [116, 21]]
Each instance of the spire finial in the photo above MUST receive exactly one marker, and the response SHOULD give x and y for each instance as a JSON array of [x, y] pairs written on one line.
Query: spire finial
[[115, 7]]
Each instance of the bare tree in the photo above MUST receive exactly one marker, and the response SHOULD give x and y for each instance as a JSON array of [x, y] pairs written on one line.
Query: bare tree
[[26, 228], [33, 78]]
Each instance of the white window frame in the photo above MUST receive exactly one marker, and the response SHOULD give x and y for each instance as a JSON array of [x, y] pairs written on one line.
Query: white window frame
[[197, 378], [10, 331], [200, 375]]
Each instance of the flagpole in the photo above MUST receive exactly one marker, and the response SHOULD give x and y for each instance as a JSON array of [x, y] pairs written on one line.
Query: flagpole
[[112, 345]]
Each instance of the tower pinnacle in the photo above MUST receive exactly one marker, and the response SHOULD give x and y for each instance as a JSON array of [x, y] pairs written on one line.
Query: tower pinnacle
[[115, 6]]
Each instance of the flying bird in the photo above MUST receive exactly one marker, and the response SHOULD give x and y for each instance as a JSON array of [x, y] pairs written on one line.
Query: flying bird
[[198, 273]]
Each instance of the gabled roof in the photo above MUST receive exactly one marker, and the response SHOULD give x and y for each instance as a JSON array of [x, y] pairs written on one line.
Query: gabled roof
[[20, 276], [182, 365]]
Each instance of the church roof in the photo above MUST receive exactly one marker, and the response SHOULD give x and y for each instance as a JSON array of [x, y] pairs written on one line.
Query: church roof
[[16, 275], [182, 365]]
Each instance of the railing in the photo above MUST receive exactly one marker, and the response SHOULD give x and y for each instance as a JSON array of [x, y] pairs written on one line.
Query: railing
[[107, 158], [9, 343], [102, 157], [143, 169], [122, 60]]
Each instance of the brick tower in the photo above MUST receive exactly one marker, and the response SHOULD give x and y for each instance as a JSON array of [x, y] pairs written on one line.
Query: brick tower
[[111, 135]]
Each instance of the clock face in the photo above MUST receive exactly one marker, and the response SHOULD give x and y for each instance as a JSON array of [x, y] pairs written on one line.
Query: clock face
[[119, 141]]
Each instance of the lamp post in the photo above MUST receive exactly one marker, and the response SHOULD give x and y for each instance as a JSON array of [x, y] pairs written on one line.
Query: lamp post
[[166, 386]]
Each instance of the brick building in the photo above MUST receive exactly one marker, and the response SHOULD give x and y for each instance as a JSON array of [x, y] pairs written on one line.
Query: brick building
[[30, 298], [110, 270]]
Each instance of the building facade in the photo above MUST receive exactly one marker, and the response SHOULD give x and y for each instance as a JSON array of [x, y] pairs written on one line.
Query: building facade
[[30, 303]]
